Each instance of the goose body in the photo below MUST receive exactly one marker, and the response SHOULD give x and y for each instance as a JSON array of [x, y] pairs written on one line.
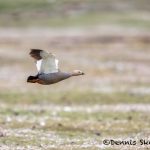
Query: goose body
[[48, 71], [52, 78]]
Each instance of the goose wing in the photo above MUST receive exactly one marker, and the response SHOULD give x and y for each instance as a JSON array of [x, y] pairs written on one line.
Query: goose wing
[[45, 62]]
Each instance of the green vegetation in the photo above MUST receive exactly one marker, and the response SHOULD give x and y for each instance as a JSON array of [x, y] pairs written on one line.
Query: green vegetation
[[42, 119], [65, 13], [73, 97], [41, 128], [111, 102]]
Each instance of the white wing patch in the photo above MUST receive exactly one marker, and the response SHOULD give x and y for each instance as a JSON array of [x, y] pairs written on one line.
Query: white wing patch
[[38, 64], [48, 64], [56, 63]]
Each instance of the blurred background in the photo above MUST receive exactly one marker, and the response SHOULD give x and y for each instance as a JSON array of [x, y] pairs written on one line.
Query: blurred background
[[109, 40]]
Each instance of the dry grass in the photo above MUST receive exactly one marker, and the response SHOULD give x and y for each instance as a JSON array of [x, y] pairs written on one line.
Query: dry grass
[[110, 101]]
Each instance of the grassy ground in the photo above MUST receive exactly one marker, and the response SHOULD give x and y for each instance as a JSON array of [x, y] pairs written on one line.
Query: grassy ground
[[74, 13], [112, 101], [106, 39], [75, 121]]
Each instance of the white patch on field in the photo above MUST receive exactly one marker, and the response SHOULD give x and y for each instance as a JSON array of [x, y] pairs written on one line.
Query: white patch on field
[[54, 109]]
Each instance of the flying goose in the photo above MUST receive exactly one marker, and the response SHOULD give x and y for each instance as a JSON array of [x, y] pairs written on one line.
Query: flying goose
[[48, 71]]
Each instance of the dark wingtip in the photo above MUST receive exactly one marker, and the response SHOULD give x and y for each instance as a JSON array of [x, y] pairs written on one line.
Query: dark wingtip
[[35, 53], [35, 50]]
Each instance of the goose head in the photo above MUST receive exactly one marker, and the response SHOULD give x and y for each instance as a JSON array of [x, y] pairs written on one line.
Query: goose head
[[77, 73]]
